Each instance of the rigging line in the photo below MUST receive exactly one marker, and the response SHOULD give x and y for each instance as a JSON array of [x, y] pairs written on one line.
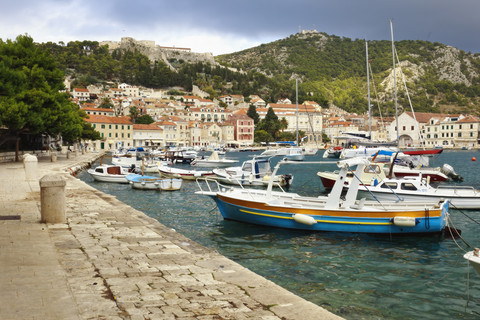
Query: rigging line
[[466, 215], [370, 192], [446, 275], [458, 234], [409, 100], [376, 96]]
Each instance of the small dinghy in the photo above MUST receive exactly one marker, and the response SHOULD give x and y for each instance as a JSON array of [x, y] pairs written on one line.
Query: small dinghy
[[474, 258]]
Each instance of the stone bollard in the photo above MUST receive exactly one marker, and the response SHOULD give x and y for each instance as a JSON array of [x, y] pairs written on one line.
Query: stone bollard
[[68, 154], [52, 198], [53, 157], [31, 167]]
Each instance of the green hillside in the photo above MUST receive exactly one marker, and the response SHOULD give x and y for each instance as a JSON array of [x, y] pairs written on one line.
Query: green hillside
[[333, 71]]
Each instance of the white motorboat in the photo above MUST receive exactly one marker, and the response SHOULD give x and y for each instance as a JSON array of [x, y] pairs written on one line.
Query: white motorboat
[[139, 160], [255, 172], [417, 189], [110, 173], [333, 152], [295, 154], [142, 182], [474, 258], [214, 160], [172, 172]]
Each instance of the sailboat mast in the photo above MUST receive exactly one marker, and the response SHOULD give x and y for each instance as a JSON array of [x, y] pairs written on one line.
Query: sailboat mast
[[394, 81], [296, 98], [368, 86]]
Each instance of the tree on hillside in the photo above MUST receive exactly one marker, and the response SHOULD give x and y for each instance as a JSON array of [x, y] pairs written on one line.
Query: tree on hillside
[[252, 113], [30, 97]]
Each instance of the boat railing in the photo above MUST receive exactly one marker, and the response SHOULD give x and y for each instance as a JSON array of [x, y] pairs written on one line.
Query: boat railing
[[219, 187], [456, 188]]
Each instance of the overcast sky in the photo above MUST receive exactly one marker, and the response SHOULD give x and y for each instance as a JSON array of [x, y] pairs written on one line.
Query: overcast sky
[[225, 26]]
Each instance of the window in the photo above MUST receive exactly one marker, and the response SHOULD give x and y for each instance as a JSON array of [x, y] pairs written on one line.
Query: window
[[103, 126], [389, 185], [116, 126], [412, 128], [408, 186], [109, 126], [404, 128]]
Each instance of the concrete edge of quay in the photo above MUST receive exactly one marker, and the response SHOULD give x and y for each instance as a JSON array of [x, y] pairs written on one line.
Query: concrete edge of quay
[[111, 261]]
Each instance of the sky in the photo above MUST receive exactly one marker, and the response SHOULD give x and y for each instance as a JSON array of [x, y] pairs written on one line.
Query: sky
[[226, 26]]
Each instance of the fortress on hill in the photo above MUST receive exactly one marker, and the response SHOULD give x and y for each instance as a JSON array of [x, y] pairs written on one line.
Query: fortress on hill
[[158, 53]]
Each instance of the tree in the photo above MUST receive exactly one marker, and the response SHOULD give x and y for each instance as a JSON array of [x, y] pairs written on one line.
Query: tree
[[134, 113], [252, 113], [270, 123], [30, 97], [262, 136], [145, 119]]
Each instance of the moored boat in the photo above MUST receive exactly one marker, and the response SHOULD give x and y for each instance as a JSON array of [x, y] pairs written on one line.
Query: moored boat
[[417, 189], [172, 172], [474, 258], [110, 173], [332, 213], [213, 161], [254, 172], [143, 182]]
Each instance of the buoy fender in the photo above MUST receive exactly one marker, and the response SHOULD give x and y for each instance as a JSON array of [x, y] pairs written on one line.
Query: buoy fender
[[304, 219], [404, 221]]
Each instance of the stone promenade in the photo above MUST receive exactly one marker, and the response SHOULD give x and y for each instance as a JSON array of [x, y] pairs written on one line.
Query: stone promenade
[[110, 261]]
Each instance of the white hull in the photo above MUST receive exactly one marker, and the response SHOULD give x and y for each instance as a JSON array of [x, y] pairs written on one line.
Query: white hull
[[213, 163], [109, 173], [474, 260], [295, 157], [108, 178], [169, 172], [160, 184]]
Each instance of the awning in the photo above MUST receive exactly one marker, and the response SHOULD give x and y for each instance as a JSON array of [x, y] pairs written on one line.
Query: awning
[[156, 141]]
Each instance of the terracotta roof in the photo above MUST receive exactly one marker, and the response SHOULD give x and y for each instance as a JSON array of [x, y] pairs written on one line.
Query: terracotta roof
[[95, 118], [469, 119], [98, 109], [151, 126], [424, 117], [80, 90]]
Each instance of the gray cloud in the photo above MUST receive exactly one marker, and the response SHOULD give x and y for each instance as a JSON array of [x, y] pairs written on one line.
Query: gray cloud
[[232, 24]]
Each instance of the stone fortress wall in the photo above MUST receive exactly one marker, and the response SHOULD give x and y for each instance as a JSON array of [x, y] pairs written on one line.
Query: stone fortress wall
[[156, 53]]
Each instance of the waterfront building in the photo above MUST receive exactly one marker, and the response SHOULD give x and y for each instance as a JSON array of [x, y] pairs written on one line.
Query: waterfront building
[[115, 132], [148, 135], [243, 128]]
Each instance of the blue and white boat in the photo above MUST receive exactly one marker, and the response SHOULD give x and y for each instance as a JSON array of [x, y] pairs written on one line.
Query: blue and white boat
[[331, 213], [142, 182]]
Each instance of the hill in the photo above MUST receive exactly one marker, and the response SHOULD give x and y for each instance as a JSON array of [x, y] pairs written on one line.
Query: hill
[[333, 71]]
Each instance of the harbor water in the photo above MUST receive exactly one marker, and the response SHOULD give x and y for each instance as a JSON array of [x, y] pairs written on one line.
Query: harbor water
[[356, 276]]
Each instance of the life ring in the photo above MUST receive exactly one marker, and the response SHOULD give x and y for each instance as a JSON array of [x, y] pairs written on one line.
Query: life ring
[[72, 173]]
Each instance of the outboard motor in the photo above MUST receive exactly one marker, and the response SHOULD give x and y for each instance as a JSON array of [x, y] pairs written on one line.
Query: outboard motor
[[450, 172], [288, 179]]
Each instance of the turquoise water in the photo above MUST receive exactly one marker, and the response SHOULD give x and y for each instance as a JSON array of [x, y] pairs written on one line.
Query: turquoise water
[[353, 275]]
